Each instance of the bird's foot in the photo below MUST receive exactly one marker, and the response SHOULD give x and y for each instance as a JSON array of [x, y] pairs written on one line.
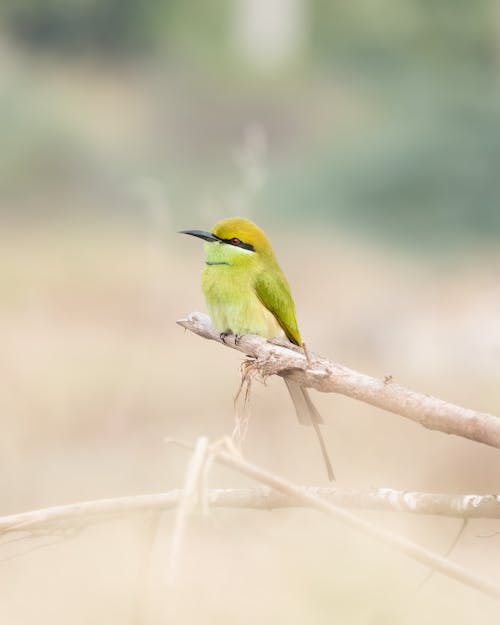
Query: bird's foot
[[223, 335]]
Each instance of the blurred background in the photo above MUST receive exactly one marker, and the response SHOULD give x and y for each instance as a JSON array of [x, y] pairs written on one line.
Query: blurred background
[[365, 139]]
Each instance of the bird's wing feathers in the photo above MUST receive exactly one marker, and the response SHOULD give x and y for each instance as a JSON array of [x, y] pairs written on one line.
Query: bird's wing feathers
[[273, 291]]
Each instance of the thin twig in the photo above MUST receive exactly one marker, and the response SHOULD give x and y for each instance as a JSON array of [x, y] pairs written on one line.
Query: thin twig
[[454, 543], [193, 474], [203, 490], [242, 407], [29, 550], [327, 376], [488, 534]]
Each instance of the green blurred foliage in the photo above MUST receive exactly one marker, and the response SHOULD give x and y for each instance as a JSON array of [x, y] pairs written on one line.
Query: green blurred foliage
[[405, 35], [416, 84], [80, 24], [111, 27], [393, 33], [38, 151], [428, 183]]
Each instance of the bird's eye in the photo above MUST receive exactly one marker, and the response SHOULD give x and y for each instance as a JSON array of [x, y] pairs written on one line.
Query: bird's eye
[[235, 241]]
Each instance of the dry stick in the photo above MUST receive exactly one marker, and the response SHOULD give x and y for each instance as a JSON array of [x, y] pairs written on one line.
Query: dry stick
[[193, 476], [52, 520], [327, 376], [203, 490], [242, 414], [454, 543], [487, 534], [48, 521], [420, 554]]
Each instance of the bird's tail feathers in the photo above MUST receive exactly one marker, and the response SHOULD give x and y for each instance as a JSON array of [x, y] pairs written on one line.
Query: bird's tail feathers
[[305, 409], [324, 452], [307, 414]]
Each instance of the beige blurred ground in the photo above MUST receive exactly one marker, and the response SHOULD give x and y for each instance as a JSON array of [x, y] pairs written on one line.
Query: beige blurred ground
[[95, 373]]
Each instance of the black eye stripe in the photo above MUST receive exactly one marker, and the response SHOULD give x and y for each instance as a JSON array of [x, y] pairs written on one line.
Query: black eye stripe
[[245, 246]]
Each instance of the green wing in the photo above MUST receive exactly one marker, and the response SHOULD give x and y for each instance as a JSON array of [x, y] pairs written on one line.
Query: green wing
[[273, 291]]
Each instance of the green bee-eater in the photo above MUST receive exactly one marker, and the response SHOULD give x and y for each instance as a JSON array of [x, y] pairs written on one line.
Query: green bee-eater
[[247, 293]]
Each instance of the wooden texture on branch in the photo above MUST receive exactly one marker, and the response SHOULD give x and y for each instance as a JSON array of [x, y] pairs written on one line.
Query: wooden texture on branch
[[324, 375], [75, 515]]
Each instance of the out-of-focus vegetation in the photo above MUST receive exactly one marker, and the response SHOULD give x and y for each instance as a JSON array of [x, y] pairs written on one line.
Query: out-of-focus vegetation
[[383, 118]]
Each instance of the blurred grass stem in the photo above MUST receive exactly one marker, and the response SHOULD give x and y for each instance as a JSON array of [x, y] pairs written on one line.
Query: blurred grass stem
[[194, 475]]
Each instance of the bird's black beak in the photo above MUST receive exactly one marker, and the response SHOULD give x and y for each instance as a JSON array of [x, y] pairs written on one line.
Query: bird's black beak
[[201, 234]]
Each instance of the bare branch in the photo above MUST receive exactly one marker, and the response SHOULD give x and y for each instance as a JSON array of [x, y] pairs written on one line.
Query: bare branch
[[327, 376], [61, 518]]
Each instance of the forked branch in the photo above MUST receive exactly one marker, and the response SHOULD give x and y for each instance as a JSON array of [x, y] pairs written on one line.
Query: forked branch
[[277, 492]]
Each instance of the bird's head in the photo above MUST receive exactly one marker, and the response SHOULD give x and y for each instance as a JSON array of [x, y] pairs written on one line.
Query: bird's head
[[233, 241]]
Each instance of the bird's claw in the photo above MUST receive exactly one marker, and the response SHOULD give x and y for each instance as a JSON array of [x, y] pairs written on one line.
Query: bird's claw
[[224, 335]]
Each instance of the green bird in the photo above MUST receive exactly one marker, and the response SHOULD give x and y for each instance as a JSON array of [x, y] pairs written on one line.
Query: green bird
[[247, 293]]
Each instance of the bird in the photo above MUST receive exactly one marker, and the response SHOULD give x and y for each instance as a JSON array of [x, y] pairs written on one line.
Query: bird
[[247, 293]]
